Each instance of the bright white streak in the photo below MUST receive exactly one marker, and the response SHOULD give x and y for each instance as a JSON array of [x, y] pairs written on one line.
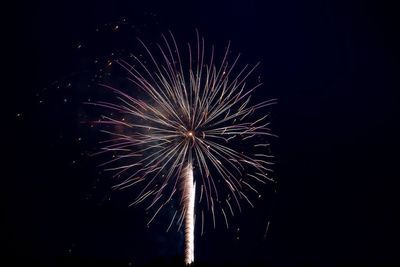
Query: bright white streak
[[189, 191]]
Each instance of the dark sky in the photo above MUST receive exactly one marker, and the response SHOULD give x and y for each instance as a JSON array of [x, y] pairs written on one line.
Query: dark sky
[[333, 65]]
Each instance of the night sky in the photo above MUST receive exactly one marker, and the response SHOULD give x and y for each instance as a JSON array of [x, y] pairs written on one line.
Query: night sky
[[333, 65]]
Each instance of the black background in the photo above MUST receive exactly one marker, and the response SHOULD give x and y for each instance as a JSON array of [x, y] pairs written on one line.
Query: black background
[[333, 65]]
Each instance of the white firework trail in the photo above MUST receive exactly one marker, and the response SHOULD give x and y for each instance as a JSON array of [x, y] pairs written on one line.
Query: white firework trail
[[188, 197], [192, 114]]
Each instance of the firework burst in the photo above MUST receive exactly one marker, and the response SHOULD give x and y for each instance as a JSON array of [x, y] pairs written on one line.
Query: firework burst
[[185, 131]]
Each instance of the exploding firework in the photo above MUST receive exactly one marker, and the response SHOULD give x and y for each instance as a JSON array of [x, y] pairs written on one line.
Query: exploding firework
[[190, 128]]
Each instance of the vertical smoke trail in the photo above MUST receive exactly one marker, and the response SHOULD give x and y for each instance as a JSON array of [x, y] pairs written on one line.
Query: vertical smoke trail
[[188, 202]]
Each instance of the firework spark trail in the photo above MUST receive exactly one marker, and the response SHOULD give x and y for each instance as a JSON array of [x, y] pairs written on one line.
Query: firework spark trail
[[188, 198], [192, 113]]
